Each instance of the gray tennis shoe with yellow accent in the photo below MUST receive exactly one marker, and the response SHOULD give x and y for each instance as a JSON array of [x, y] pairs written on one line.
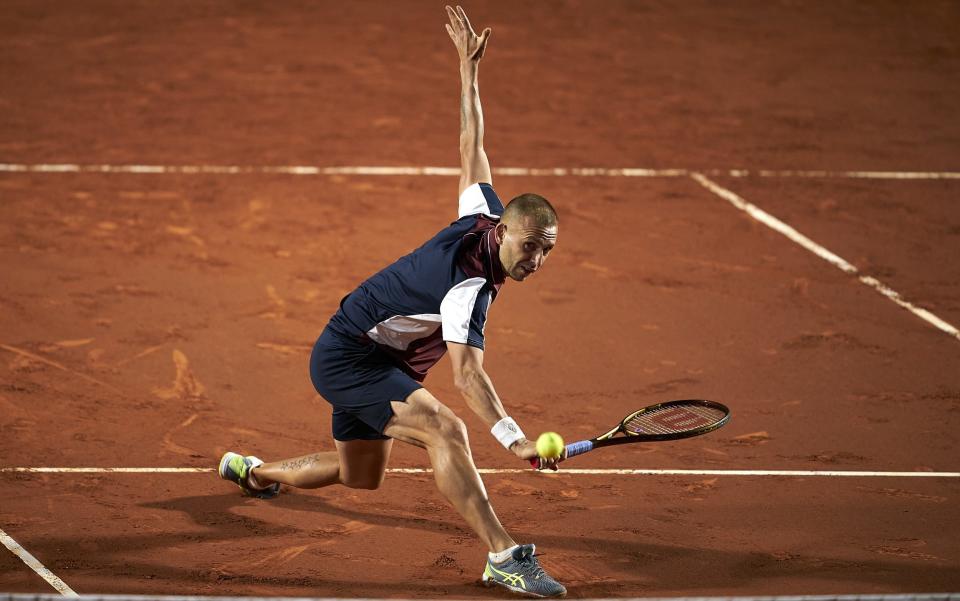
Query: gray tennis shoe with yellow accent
[[236, 468], [522, 574]]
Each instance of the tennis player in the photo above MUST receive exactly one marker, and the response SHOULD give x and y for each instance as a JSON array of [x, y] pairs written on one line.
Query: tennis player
[[374, 353]]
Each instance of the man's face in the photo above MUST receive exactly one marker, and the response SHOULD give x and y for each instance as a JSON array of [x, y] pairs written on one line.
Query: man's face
[[524, 246]]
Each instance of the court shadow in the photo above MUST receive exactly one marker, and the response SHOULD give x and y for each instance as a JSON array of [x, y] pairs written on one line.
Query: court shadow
[[630, 566], [214, 511], [196, 580], [667, 566]]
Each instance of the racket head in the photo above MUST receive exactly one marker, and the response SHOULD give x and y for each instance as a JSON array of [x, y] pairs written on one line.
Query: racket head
[[673, 420]]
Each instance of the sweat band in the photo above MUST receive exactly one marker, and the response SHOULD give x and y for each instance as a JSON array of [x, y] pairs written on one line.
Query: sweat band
[[507, 432]]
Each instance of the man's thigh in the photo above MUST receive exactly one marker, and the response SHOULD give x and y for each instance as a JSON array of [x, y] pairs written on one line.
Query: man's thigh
[[421, 420]]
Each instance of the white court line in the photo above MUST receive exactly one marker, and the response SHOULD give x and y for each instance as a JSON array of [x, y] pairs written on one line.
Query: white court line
[[573, 471], [454, 171], [775, 224], [108, 470], [59, 585], [838, 174], [663, 472]]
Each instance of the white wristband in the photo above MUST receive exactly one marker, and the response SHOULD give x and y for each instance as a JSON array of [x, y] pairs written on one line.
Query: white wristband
[[507, 432]]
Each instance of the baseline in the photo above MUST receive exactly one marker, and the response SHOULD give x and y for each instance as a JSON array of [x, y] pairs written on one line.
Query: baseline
[[892, 597], [455, 171], [571, 471]]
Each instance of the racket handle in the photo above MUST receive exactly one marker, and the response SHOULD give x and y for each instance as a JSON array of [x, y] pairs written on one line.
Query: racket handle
[[579, 448], [573, 449]]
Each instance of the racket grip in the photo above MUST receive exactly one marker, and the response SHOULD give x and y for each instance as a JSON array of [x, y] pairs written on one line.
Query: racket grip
[[573, 449], [579, 448]]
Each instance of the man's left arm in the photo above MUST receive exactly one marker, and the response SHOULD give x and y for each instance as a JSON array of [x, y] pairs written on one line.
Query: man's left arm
[[477, 389], [474, 165]]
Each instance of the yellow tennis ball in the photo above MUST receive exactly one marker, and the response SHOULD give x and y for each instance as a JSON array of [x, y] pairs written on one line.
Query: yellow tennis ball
[[549, 445]]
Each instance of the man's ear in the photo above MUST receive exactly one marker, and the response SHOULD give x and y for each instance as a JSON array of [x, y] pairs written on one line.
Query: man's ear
[[500, 232]]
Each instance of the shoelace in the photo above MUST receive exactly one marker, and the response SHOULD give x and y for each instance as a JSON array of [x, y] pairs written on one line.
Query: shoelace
[[535, 570]]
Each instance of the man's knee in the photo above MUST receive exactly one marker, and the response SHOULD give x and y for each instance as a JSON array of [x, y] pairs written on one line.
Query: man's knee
[[426, 421], [450, 428]]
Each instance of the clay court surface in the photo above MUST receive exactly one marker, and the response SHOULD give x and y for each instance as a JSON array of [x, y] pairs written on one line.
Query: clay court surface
[[157, 320]]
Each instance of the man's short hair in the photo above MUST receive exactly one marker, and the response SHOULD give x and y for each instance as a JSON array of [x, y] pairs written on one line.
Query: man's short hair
[[531, 205]]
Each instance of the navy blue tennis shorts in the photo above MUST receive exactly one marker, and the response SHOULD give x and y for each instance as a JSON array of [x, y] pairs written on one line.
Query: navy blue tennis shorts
[[359, 380]]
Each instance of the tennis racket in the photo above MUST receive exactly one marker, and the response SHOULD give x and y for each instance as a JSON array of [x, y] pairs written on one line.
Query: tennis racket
[[671, 420]]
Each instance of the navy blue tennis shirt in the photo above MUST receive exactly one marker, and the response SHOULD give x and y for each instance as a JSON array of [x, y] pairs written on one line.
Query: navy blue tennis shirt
[[439, 293]]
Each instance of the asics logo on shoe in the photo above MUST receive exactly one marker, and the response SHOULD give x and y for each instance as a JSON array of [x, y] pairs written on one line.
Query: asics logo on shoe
[[511, 579]]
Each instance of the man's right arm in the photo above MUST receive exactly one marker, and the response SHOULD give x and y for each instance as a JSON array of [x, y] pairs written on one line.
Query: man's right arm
[[474, 166], [477, 389]]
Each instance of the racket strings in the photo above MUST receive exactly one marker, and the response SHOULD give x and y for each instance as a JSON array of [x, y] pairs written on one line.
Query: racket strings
[[673, 419]]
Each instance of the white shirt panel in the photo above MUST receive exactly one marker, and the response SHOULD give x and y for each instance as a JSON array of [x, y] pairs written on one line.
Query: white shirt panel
[[399, 331], [457, 307], [472, 201]]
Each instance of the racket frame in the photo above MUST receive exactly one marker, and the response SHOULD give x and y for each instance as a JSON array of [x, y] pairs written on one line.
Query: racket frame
[[608, 439]]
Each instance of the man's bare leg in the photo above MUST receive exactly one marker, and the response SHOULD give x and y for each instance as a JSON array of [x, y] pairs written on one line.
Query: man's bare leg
[[422, 421], [426, 422], [357, 464]]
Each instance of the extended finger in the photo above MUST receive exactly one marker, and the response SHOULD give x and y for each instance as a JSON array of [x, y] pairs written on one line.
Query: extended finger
[[453, 36], [454, 19], [466, 21]]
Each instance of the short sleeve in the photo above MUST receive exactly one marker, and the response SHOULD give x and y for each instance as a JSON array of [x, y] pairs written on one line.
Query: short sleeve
[[480, 198], [463, 312]]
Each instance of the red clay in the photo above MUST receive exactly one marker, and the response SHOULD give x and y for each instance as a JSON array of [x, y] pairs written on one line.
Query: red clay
[[160, 320]]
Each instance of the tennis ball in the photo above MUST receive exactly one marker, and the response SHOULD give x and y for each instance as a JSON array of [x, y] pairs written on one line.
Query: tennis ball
[[549, 445]]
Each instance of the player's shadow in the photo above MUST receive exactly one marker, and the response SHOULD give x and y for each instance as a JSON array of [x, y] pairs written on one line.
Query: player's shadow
[[221, 523], [631, 564], [214, 512], [264, 575]]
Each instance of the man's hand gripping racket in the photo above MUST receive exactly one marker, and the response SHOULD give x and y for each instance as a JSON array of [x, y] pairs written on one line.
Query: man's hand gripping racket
[[671, 420]]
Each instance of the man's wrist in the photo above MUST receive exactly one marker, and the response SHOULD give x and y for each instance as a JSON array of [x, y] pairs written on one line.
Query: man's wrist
[[507, 432], [513, 445]]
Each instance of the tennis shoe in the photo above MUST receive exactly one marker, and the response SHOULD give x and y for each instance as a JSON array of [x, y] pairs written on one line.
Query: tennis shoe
[[522, 574], [236, 468]]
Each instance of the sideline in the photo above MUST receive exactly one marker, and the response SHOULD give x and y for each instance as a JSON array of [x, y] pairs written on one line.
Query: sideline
[[59, 585], [775, 224]]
